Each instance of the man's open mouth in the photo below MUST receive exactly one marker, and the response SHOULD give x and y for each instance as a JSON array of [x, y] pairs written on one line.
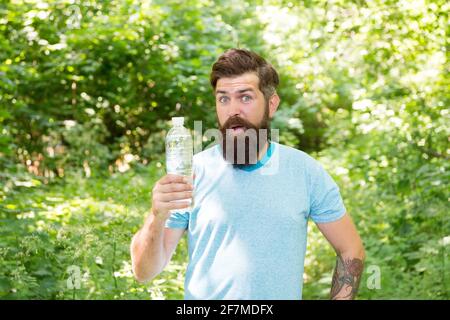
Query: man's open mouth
[[238, 128]]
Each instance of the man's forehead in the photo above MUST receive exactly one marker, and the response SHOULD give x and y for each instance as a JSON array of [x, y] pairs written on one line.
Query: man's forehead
[[238, 84]]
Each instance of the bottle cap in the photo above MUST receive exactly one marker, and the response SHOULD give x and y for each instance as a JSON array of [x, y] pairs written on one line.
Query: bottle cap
[[177, 121]]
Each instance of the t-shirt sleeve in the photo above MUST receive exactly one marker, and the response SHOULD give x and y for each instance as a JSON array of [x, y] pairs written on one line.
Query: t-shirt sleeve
[[178, 220], [326, 204]]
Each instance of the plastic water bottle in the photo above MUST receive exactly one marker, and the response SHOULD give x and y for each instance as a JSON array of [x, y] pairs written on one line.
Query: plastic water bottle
[[179, 151]]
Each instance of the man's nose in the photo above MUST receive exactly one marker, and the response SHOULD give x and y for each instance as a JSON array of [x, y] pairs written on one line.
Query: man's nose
[[234, 109]]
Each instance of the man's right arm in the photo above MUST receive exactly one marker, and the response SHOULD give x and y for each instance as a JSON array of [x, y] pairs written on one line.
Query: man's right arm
[[152, 248], [153, 245]]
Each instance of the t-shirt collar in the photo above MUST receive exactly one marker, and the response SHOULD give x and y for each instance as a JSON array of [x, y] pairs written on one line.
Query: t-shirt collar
[[261, 162]]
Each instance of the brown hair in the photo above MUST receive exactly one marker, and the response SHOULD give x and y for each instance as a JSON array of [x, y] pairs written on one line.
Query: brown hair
[[235, 62]]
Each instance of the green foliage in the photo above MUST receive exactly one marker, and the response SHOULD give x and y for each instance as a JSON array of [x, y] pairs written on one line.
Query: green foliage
[[87, 224], [126, 66]]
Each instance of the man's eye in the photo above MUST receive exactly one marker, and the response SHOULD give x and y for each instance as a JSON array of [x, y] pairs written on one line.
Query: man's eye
[[223, 99], [246, 99]]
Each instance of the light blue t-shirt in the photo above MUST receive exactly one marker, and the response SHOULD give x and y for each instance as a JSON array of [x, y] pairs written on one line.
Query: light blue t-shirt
[[247, 229]]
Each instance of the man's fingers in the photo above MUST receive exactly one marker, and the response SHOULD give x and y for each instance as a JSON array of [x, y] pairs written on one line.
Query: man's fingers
[[179, 205], [172, 178], [167, 197], [175, 187], [175, 205]]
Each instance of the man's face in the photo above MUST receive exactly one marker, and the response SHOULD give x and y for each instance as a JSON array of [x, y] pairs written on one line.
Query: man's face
[[241, 106]]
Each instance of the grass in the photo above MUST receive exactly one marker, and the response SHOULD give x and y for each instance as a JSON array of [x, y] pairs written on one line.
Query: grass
[[79, 229]]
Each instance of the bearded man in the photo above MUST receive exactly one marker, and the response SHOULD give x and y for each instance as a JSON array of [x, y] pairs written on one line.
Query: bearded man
[[247, 229]]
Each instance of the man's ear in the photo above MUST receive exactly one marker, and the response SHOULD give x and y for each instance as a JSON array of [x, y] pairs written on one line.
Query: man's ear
[[274, 102]]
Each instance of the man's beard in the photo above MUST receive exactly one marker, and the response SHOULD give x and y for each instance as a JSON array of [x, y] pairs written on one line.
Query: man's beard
[[243, 149]]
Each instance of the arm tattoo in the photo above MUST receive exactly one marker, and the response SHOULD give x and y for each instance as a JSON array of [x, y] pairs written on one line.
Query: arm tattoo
[[347, 274]]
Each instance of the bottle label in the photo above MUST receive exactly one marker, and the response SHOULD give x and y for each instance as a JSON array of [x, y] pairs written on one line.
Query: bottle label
[[179, 155]]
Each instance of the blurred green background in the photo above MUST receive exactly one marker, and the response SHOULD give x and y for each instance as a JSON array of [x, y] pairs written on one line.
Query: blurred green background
[[87, 89]]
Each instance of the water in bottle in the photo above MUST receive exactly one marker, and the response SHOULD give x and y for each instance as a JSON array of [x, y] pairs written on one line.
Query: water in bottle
[[179, 151]]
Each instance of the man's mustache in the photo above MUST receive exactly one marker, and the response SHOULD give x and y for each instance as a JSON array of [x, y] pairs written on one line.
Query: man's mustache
[[237, 122]]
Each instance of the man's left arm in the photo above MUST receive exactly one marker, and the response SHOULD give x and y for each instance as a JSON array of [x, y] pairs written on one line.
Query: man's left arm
[[345, 240]]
